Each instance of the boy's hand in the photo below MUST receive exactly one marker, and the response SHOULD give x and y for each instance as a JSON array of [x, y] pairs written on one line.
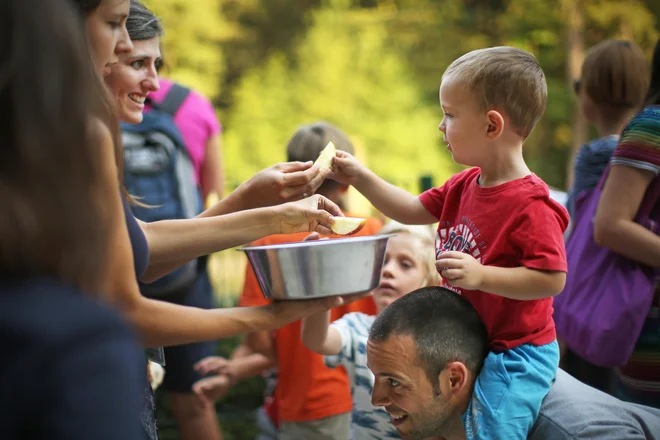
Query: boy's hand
[[210, 389], [346, 169], [212, 364], [460, 270]]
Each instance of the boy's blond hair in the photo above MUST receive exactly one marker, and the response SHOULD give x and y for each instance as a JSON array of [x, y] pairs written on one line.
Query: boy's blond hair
[[506, 79], [423, 237]]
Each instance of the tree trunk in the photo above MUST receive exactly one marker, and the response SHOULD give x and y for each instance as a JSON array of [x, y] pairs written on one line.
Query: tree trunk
[[574, 13]]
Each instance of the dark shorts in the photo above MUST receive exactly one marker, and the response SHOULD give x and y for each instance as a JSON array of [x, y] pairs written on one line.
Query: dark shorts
[[180, 359]]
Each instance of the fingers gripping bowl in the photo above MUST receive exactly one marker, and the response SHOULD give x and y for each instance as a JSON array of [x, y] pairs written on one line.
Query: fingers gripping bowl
[[319, 268]]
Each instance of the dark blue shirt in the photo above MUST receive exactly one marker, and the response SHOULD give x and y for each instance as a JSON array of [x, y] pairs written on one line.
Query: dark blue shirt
[[138, 242], [590, 163], [70, 368]]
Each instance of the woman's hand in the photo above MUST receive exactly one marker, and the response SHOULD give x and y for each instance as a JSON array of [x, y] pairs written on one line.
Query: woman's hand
[[281, 183], [313, 214], [294, 310]]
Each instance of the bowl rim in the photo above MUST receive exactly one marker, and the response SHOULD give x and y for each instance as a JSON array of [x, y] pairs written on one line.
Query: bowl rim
[[317, 243]]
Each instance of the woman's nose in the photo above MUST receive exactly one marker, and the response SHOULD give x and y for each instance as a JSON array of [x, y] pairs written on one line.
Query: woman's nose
[[151, 83], [124, 44]]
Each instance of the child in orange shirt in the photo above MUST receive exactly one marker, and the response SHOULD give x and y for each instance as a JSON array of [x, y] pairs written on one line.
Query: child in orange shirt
[[313, 401]]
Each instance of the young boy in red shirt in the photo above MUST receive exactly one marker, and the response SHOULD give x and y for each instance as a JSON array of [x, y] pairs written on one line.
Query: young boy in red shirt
[[500, 236]]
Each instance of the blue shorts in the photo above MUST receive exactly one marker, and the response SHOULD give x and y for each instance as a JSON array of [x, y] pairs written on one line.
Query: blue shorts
[[509, 391], [180, 360]]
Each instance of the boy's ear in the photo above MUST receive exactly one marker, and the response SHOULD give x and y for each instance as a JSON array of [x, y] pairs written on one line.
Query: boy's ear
[[495, 124]]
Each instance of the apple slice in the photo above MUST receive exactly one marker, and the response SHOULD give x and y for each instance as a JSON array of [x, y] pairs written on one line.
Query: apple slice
[[324, 160], [348, 225]]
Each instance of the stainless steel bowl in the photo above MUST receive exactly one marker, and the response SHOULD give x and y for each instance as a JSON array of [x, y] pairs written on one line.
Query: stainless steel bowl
[[318, 268]]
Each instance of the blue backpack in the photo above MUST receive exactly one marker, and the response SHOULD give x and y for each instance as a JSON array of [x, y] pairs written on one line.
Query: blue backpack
[[159, 173]]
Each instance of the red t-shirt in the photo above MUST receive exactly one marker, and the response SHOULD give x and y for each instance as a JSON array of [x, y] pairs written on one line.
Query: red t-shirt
[[510, 225]]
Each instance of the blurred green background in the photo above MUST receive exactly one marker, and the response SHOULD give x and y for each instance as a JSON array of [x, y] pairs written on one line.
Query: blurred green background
[[373, 68]]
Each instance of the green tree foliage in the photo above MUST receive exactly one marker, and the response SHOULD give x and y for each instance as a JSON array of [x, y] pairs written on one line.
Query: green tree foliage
[[344, 72], [373, 67], [191, 45]]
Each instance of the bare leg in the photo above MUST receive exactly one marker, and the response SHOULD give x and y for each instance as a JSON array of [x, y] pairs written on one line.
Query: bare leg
[[196, 422]]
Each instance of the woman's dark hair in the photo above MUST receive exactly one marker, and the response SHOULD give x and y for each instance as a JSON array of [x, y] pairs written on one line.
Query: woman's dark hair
[[54, 222], [142, 24], [615, 75], [653, 96], [86, 7]]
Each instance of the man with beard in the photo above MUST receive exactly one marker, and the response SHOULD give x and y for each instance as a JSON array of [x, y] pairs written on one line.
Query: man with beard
[[426, 350]]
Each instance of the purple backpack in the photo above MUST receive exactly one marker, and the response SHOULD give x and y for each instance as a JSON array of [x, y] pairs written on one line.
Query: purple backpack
[[602, 309]]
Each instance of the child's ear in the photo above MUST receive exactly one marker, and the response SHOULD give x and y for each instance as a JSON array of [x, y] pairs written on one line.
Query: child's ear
[[495, 124]]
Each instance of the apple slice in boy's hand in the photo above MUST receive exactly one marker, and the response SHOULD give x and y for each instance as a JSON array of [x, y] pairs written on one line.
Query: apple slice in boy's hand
[[324, 160], [347, 225]]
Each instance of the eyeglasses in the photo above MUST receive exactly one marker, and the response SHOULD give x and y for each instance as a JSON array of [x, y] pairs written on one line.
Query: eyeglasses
[[577, 86]]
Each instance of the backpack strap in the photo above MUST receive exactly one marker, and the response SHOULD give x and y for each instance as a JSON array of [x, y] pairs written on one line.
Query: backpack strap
[[173, 100]]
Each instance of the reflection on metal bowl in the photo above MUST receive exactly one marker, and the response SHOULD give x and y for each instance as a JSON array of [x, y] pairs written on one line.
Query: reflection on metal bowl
[[318, 268]]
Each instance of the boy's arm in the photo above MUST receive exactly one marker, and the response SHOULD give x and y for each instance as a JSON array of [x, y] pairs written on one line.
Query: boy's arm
[[464, 271], [318, 336], [394, 202], [249, 366], [261, 342], [244, 363]]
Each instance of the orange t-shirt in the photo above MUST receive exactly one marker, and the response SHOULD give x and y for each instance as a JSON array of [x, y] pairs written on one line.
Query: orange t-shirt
[[306, 388]]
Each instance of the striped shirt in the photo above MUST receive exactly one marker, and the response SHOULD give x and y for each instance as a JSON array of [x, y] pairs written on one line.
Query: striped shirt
[[639, 379], [368, 422], [639, 146]]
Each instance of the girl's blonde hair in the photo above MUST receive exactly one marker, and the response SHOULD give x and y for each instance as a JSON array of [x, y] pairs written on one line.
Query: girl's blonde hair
[[424, 248]]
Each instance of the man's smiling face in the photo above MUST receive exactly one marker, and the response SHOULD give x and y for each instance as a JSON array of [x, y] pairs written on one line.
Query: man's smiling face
[[403, 388]]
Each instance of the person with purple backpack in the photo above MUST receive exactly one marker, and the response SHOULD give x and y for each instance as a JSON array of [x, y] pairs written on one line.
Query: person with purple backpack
[[633, 181], [611, 88], [614, 251]]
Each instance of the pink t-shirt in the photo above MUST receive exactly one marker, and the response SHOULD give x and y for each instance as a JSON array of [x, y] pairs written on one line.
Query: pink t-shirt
[[195, 119]]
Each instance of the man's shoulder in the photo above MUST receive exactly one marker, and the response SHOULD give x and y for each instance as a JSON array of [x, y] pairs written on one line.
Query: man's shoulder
[[573, 410]]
